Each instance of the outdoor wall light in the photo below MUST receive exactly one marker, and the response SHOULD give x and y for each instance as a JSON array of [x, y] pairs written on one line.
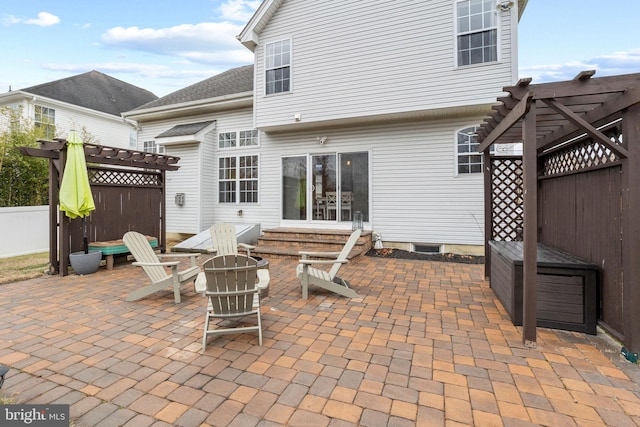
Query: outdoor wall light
[[322, 139], [505, 5]]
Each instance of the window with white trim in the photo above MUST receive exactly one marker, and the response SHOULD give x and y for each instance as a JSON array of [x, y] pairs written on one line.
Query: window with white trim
[[468, 160], [45, 118], [152, 147], [277, 65], [477, 31], [238, 179], [243, 138]]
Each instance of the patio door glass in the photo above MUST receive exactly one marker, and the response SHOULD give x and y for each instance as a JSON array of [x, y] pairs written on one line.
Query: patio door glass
[[325, 187], [294, 188]]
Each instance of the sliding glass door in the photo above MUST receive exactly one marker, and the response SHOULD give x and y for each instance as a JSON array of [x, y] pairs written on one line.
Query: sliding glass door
[[325, 187]]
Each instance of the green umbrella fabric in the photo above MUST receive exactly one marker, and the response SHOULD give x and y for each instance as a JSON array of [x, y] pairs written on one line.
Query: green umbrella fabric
[[76, 199]]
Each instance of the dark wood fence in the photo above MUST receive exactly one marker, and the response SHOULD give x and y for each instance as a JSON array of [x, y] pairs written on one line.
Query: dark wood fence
[[580, 212]]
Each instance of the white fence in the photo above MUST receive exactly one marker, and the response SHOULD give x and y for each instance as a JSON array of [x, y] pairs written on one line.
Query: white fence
[[24, 230]]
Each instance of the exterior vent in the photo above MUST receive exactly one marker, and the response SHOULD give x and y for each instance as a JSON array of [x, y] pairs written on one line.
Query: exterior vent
[[427, 249]]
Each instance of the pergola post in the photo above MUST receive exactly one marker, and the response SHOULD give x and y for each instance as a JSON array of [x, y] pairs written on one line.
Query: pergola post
[[488, 211], [631, 231], [530, 239]]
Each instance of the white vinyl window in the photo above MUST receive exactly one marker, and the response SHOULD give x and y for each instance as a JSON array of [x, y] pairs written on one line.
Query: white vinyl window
[[152, 147], [468, 160], [238, 179], [45, 118], [477, 31], [277, 65], [243, 138]]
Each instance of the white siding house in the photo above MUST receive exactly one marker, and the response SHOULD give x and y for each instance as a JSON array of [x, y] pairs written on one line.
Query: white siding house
[[90, 103], [364, 107]]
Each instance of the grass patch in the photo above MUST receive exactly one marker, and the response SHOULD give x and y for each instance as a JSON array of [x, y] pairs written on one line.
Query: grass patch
[[23, 267]]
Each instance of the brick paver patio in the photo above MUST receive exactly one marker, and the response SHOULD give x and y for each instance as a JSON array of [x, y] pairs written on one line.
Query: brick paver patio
[[427, 344]]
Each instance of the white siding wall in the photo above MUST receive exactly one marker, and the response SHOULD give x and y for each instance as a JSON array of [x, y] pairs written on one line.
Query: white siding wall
[[197, 176], [374, 57], [416, 195], [107, 130]]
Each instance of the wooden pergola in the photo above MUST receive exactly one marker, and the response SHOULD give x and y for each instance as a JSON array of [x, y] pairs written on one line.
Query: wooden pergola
[[128, 188], [580, 186]]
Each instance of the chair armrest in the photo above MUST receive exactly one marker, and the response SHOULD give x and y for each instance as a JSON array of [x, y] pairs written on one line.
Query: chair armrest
[[179, 255], [155, 264], [211, 250], [307, 254], [192, 255], [246, 246], [322, 261]]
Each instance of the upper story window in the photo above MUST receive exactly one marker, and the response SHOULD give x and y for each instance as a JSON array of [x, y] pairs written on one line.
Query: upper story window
[[152, 147], [277, 65], [243, 138], [477, 32], [46, 119], [468, 159]]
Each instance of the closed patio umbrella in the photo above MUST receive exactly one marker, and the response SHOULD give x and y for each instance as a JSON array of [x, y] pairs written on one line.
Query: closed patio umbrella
[[76, 199]]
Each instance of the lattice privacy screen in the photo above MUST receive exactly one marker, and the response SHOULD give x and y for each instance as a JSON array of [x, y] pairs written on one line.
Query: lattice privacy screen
[[125, 177], [506, 197]]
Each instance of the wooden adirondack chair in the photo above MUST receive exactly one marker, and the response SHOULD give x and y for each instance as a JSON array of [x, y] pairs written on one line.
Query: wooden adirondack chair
[[232, 288], [225, 241], [326, 279], [150, 262]]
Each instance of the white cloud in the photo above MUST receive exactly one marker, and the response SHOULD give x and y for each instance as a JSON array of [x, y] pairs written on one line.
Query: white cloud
[[605, 65], [10, 20], [203, 43], [44, 19], [239, 10]]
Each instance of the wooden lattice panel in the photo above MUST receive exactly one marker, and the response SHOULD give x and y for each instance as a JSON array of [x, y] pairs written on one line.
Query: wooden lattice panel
[[124, 177], [507, 202], [582, 155]]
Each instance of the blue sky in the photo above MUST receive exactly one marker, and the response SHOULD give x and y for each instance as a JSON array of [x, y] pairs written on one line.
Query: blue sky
[[165, 45]]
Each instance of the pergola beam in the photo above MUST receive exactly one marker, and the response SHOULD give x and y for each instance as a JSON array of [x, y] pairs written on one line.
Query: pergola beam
[[584, 125], [512, 118]]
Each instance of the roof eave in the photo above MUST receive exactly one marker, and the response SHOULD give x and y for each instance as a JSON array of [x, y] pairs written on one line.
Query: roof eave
[[250, 34], [237, 100]]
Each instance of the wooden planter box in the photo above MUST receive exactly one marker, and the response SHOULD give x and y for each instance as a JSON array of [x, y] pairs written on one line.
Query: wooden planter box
[[565, 290]]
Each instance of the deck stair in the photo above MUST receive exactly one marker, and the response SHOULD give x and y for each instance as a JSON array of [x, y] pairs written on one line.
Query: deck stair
[[286, 242]]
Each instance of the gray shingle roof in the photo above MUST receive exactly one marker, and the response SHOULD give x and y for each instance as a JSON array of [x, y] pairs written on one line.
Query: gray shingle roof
[[235, 80], [96, 91], [188, 129]]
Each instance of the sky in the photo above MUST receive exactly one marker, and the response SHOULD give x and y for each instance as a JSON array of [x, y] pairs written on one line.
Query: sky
[[166, 45]]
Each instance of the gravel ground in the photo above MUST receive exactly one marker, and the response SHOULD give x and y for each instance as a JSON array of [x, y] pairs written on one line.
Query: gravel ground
[[400, 254]]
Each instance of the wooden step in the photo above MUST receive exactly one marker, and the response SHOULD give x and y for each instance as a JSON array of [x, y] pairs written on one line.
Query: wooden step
[[287, 242]]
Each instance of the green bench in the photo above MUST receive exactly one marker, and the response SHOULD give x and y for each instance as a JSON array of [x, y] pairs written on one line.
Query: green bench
[[116, 247]]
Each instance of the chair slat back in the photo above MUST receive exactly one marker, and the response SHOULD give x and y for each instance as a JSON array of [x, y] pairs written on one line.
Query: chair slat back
[[223, 237], [231, 283], [142, 251], [344, 253]]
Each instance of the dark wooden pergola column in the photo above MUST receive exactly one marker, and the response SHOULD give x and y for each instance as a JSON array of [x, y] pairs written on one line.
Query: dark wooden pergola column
[[631, 230]]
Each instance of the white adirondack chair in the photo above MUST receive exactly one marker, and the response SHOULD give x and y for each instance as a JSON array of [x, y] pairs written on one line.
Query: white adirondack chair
[[232, 287], [225, 241], [326, 279], [150, 262]]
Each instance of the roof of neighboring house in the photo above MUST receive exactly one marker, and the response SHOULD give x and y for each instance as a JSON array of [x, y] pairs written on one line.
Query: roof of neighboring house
[[188, 129], [230, 82], [96, 91]]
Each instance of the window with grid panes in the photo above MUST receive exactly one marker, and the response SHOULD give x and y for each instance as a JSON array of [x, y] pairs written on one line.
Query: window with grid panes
[[477, 31], [238, 179], [277, 57], [45, 118]]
